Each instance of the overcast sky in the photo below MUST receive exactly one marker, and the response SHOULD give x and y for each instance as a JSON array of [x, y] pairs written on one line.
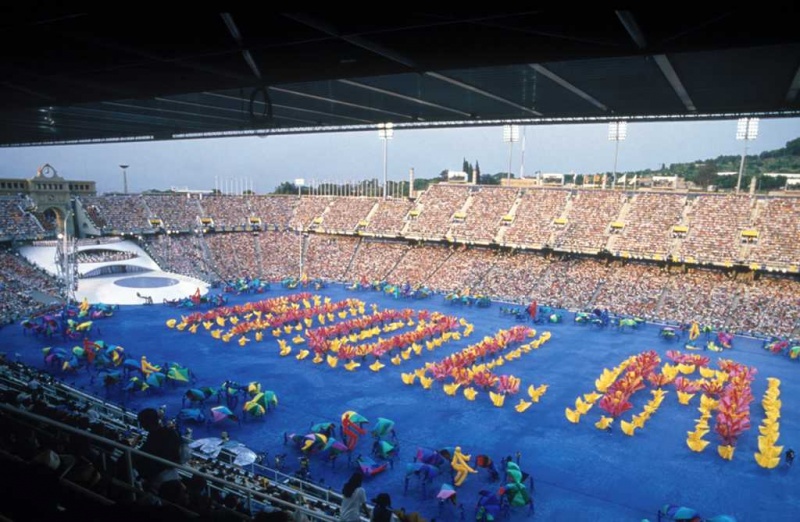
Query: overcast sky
[[266, 162]]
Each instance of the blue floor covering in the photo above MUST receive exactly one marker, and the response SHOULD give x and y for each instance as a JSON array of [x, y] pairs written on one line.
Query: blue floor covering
[[580, 472]]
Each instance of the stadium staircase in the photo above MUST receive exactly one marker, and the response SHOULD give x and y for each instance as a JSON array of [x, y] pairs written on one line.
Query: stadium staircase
[[437, 267], [611, 244], [463, 210], [352, 258], [208, 258], [258, 251], [372, 212], [501, 233], [685, 221], [418, 207], [394, 266], [565, 215]]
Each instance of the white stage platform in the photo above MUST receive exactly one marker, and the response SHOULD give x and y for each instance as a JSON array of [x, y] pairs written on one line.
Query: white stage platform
[[107, 289], [145, 276]]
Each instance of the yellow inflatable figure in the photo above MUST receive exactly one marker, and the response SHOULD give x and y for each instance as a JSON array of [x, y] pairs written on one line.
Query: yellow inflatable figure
[[684, 397], [376, 366], [460, 464], [523, 405], [470, 393], [332, 361], [498, 399], [408, 378], [452, 388], [604, 423], [726, 452]]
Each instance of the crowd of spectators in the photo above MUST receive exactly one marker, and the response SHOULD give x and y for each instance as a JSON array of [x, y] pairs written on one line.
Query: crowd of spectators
[[466, 214], [16, 222], [435, 209], [648, 223], [234, 255], [328, 257], [227, 212], [17, 280], [390, 217], [374, 259], [104, 256], [280, 254], [274, 211], [309, 209], [590, 214], [177, 212], [572, 282], [482, 219], [534, 216], [179, 253], [614, 292], [123, 213], [778, 227], [463, 270], [344, 214], [703, 295], [715, 223], [418, 264], [513, 275]]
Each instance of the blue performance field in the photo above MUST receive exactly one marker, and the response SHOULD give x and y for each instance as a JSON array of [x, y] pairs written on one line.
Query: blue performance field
[[581, 472]]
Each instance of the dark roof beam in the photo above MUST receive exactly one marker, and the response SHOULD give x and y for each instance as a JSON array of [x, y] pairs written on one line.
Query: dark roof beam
[[237, 36], [340, 102], [635, 32], [291, 108], [404, 97], [171, 111], [355, 40], [477, 90], [791, 95], [561, 82], [135, 119]]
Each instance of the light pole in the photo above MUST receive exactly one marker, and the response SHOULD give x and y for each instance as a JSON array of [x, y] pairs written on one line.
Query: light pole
[[746, 130], [125, 177], [510, 135], [385, 132], [617, 131]]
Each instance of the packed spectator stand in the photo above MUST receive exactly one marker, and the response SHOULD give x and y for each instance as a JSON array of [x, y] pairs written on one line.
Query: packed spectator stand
[[642, 253]]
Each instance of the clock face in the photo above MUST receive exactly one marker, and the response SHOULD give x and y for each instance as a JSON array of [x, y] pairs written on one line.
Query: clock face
[[48, 171]]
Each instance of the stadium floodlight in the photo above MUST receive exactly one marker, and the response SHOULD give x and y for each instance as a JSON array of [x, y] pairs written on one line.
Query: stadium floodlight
[[124, 177], [299, 182], [746, 130], [617, 131], [510, 135], [385, 133]]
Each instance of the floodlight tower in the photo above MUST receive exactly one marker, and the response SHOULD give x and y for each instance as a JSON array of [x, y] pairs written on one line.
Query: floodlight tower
[[617, 131], [510, 135], [746, 130], [124, 177], [385, 133]]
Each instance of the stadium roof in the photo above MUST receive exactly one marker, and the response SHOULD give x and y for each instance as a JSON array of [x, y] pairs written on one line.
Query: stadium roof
[[83, 77]]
